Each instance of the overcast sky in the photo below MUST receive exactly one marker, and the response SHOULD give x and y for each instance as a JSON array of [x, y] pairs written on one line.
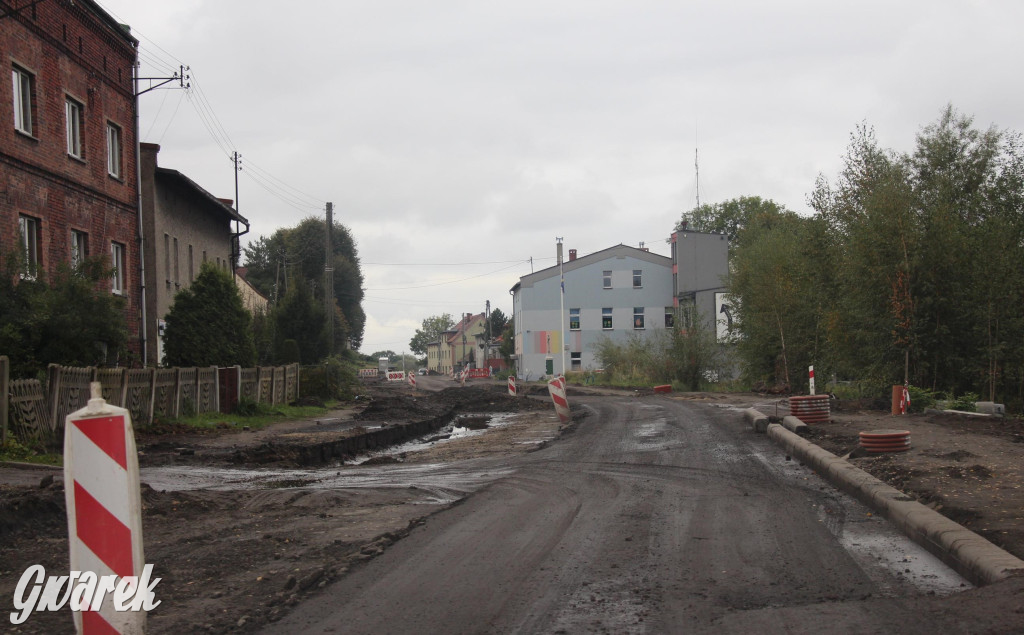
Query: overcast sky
[[458, 139]]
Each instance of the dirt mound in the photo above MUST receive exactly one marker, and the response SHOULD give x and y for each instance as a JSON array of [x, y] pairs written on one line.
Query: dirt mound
[[486, 399], [397, 406], [31, 509]]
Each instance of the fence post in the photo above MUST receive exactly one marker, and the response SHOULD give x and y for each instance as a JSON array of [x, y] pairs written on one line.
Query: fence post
[[298, 373], [216, 389], [176, 408], [5, 395], [152, 394], [52, 390]]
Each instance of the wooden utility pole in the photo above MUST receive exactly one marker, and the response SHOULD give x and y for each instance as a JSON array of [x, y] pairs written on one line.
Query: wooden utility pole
[[329, 280]]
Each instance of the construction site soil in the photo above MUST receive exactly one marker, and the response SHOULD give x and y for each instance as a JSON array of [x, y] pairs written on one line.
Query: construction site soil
[[269, 527]]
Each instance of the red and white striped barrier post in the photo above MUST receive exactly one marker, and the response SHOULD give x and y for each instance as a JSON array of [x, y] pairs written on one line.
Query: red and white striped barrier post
[[512, 385], [412, 380], [810, 376], [101, 476], [462, 377], [556, 388]]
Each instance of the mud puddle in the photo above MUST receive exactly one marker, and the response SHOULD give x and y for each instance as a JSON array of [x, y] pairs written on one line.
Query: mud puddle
[[363, 471]]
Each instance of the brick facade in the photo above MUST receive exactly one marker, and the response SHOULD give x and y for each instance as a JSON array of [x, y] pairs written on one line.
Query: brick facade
[[70, 51]]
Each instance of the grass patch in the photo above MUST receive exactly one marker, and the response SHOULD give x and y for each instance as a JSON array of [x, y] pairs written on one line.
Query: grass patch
[[261, 417], [13, 450]]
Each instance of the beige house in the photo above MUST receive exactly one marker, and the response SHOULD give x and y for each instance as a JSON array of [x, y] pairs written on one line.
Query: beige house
[[252, 299]]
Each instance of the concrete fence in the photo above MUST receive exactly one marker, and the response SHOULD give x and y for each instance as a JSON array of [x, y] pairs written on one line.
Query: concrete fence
[[31, 410]]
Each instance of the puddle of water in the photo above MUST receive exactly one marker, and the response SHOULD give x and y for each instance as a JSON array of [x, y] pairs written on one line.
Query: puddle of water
[[449, 481]]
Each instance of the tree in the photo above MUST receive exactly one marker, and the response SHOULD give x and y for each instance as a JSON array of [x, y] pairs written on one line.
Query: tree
[[300, 317], [498, 322], [298, 253], [430, 332], [733, 216], [69, 317], [508, 342], [208, 324]]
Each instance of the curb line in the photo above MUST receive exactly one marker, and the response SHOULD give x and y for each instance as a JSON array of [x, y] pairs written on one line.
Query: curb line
[[964, 551]]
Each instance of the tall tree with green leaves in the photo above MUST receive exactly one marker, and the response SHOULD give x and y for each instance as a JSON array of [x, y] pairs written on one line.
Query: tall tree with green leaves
[[208, 325], [298, 252], [430, 332]]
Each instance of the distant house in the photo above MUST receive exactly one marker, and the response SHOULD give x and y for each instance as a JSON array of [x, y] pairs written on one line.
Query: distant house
[[613, 293], [253, 300], [434, 357], [462, 341], [183, 227], [67, 144]]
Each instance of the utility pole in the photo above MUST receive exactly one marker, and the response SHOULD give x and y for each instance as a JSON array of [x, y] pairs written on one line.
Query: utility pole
[[183, 82], [561, 303], [236, 242], [329, 283]]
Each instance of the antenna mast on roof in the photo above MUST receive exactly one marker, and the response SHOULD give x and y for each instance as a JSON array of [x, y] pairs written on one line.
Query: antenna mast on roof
[[696, 165]]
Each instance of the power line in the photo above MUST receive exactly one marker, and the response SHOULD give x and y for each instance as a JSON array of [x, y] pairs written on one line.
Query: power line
[[442, 264], [441, 284]]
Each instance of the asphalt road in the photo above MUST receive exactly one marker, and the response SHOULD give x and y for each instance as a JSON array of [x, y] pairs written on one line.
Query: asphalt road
[[653, 516]]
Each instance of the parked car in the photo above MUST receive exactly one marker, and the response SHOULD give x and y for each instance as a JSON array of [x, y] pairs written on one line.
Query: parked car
[[422, 371]]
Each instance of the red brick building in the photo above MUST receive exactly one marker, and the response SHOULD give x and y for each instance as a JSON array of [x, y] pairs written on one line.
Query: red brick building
[[67, 142]]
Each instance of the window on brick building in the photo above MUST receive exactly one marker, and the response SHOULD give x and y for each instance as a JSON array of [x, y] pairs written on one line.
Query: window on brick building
[[117, 261], [79, 247], [177, 280], [23, 84], [31, 246], [73, 116], [113, 150]]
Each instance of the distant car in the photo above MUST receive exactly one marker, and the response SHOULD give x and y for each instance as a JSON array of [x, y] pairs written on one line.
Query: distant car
[[422, 371]]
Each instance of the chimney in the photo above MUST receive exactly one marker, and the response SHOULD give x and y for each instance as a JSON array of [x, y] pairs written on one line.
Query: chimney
[[226, 201], [572, 255]]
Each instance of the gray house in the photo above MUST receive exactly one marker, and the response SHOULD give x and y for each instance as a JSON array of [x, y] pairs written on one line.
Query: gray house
[[183, 227], [611, 293]]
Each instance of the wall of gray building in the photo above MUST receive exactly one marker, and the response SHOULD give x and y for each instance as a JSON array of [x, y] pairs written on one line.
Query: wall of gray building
[[536, 308]]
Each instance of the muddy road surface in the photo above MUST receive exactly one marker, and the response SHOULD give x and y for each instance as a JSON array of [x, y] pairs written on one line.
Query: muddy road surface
[[655, 516]]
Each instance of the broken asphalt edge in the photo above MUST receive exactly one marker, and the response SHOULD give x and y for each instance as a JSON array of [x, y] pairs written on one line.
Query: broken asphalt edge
[[969, 554]]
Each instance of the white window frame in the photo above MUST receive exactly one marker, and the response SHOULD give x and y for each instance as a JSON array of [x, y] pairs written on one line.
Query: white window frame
[[30, 232], [79, 247], [74, 118], [574, 313], [23, 83], [638, 318], [114, 150], [638, 280], [606, 279], [607, 321], [117, 261], [575, 361]]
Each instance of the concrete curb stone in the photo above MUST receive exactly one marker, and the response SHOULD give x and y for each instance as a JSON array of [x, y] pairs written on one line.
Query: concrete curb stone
[[757, 421], [966, 552]]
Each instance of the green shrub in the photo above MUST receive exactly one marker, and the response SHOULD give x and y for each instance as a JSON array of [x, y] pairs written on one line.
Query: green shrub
[[965, 402], [249, 408], [921, 399]]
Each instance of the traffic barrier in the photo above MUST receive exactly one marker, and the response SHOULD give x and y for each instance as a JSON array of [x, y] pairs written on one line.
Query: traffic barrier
[[810, 408], [396, 375], [104, 506], [368, 372], [556, 388], [462, 378], [478, 373], [511, 385], [663, 389], [412, 380]]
